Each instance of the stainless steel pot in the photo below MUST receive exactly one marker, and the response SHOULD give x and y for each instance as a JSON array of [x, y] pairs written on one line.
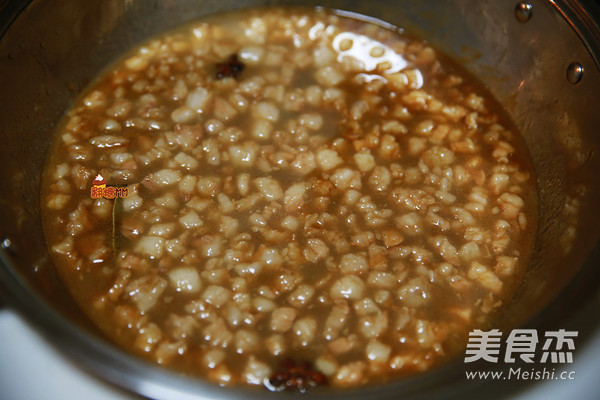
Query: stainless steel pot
[[540, 59]]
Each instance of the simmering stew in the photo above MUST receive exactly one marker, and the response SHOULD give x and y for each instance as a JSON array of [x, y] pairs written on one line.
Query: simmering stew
[[290, 198]]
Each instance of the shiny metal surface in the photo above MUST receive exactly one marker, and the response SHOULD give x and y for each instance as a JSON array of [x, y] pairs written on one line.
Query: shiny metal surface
[[54, 48], [575, 72], [523, 11]]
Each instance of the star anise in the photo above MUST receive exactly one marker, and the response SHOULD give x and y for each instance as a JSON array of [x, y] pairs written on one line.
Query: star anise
[[231, 67]]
